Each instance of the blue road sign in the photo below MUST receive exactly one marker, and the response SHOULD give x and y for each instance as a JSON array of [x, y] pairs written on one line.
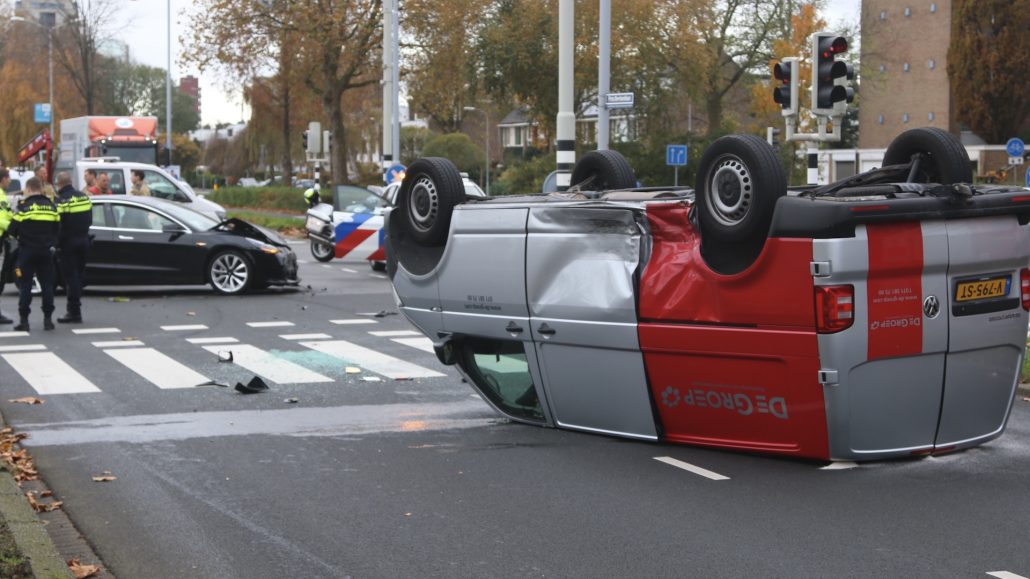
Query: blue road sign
[[1028, 177], [1015, 147], [676, 155], [42, 113], [393, 173]]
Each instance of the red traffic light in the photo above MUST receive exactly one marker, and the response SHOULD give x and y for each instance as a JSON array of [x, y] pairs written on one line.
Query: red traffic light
[[781, 72], [831, 45]]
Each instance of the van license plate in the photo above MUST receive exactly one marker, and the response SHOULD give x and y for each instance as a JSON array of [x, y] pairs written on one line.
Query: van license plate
[[982, 289]]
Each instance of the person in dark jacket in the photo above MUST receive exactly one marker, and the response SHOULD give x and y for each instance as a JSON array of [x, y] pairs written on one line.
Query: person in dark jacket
[[75, 209], [35, 226]]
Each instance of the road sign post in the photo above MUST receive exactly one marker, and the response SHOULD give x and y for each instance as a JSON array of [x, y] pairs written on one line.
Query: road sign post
[[1028, 177], [676, 157], [1015, 148]]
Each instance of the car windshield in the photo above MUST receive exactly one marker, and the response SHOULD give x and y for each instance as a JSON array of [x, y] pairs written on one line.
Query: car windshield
[[356, 199], [192, 219]]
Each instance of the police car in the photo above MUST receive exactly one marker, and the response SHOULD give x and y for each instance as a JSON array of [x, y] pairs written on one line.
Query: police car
[[880, 316]]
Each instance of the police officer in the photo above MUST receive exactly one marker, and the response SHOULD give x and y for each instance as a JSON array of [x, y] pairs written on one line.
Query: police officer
[[76, 212], [312, 197], [5, 245], [35, 227]]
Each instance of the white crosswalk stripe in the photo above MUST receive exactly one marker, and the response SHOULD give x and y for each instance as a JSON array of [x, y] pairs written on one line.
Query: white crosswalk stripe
[[270, 324], [23, 348], [371, 360], [213, 340], [353, 322], [48, 374], [14, 334], [421, 343], [268, 365], [305, 336], [119, 344], [85, 331], [184, 327], [395, 334], [157, 368]]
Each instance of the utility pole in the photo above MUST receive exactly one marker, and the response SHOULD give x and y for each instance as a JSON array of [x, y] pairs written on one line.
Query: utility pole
[[566, 155], [604, 57], [168, 88]]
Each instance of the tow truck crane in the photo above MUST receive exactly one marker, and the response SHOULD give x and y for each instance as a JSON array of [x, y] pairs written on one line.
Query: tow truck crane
[[42, 142]]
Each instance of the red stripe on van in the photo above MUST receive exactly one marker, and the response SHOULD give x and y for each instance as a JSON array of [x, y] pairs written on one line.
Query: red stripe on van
[[895, 289]]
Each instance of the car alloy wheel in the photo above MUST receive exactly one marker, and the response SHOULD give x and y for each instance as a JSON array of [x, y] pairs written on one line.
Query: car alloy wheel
[[229, 273]]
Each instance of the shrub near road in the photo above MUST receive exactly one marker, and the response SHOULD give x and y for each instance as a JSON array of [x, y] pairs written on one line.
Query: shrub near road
[[285, 199]]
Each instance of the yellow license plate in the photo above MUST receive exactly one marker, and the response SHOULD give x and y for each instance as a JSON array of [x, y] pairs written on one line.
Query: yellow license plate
[[982, 289]]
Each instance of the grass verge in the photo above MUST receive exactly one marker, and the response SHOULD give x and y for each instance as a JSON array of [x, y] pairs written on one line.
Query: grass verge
[[13, 564], [284, 224]]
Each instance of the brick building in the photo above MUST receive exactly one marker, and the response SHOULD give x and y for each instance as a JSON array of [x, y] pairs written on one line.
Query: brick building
[[190, 86], [49, 13], [904, 69]]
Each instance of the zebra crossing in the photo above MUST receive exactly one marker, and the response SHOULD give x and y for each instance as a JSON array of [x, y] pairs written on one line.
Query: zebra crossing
[[183, 356]]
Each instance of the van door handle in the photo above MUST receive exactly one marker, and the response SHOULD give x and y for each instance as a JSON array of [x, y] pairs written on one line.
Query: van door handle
[[126, 237], [513, 328], [545, 330]]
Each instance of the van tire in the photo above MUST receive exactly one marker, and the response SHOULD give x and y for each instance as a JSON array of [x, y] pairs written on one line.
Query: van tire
[[945, 158], [739, 180], [603, 170], [432, 187]]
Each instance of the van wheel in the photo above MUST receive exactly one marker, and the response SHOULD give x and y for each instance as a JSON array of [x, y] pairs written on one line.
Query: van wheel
[[377, 265], [431, 189], [603, 171], [322, 251], [944, 161], [739, 180]]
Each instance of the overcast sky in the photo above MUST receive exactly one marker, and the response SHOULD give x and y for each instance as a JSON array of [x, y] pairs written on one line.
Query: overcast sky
[[145, 29]]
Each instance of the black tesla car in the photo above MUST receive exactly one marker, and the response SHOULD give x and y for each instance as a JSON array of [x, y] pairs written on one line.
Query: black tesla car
[[149, 241]]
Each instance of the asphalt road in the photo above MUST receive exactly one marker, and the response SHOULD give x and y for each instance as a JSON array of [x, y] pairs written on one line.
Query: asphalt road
[[400, 472]]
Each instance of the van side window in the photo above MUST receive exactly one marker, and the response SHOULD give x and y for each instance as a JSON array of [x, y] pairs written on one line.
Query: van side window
[[161, 187], [117, 181]]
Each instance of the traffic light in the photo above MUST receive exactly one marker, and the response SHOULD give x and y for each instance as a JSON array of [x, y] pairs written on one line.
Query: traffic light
[[786, 93], [304, 140], [831, 78], [313, 144], [327, 141]]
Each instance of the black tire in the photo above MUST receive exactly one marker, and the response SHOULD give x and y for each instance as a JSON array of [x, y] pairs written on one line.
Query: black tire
[[377, 265], [739, 180], [230, 272], [603, 170], [431, 189], [322, 251], [945, 160]]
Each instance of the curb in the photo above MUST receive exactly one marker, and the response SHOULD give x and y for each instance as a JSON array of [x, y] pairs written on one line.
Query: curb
[[1023, 390], [28, 531]]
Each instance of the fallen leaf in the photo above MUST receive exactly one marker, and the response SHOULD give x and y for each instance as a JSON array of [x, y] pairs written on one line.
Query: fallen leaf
[[407, 514], [46, 494], [42, 507], [371, 379], [26, 400], [191, 313], [129, 338], [353, 370], [82, 571], [291, 400], [106, 477]]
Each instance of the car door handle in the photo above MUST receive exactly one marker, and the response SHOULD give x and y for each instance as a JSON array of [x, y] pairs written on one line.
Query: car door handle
[[545, 330], [126, 237], [513, 328]]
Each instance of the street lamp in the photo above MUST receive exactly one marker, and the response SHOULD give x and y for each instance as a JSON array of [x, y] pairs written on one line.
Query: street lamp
[[486, 135], [50, 66]]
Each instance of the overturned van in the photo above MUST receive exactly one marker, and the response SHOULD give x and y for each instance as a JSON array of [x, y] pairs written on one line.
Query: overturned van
[[884, 315]]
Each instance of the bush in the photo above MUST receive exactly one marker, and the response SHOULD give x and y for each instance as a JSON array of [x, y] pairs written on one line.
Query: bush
[[461, 151], [280, 198], [524, 177]]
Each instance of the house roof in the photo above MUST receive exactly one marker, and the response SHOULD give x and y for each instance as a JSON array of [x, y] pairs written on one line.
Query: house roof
[[518, 116]]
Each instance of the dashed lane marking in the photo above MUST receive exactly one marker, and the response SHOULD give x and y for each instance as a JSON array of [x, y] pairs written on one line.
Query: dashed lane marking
[[184, 328], [353, 322], [378, 275], [395, 333], [23, 348], [270, 324], [157, 368], [268, 365], [371, 360], [421, 343], [1005, 575], [348, 270], [326, 265], [14, 334], [691, 468], [840, 465], [48, 374], [305, 336], [213, 340], [119, 344], [82, 331]]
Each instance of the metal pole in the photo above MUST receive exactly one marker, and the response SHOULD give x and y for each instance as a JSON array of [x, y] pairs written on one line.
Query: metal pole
[[168, 88], [486, 130], [604, 55], [396, 71], [676, 176], [566, 155], [50, 66], [813, 162], [387, 149]]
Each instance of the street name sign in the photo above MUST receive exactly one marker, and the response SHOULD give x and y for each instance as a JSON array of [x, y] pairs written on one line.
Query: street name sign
[[618, 100]]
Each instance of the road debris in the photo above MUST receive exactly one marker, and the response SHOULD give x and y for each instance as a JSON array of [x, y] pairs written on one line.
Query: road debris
[[291, 400], [212, 383], [41, 507], [17, 462], [225, 356], [371, 379], [353, 370], [191, 313], [26, 400], [105, 477], [255, 386], [119, 300]]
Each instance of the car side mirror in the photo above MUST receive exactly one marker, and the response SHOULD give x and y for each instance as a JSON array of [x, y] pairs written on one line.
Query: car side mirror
[[173, 228]]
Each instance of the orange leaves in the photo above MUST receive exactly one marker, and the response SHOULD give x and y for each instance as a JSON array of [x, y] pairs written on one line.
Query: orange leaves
[[42, 507], [30, 400], [106, 477], [82, 571], [17, 461]]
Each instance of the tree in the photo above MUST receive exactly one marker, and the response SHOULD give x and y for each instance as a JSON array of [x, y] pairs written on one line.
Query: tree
[[460, 149], [987, 65], [75, 47]]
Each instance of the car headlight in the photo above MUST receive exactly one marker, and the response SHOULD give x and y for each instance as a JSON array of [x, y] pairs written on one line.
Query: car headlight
[[264, 247]]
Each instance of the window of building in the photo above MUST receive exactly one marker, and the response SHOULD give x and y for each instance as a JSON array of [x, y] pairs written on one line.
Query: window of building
[[908, 11], [931, 116], [931, 64], [883, 68], [518, 136], [904, 118], [883, 14], [880, 119], [933, 7], [905, 67]]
